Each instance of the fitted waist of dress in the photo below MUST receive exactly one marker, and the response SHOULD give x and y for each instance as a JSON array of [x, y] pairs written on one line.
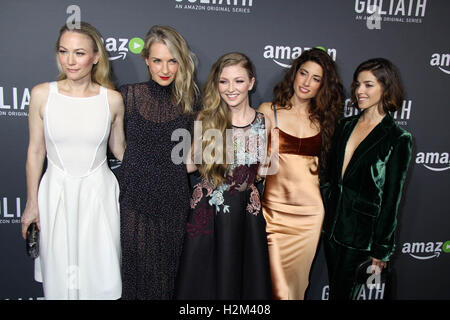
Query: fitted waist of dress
[[294, 168], [296, 182], [103, 164]]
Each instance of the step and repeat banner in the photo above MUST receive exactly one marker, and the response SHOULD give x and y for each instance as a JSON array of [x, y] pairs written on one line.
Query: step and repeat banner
[[413, 34]]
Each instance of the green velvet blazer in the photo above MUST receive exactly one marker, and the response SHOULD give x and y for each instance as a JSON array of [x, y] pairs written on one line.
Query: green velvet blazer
[[361, 208]]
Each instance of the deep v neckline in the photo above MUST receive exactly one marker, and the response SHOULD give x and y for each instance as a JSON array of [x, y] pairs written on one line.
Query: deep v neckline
[[358, 147]]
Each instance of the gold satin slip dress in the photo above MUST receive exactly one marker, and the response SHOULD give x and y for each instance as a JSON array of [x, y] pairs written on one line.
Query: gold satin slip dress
[[293, 209]]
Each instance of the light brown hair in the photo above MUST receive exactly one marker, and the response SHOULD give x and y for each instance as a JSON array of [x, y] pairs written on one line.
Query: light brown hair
[[185, 90], [101, 72], [216, 115]]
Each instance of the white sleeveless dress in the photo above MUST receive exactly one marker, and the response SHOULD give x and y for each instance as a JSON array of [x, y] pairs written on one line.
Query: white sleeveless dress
[[78, 202]]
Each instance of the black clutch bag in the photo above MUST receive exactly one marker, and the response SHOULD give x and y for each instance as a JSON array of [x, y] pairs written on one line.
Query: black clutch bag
[[32, 241]]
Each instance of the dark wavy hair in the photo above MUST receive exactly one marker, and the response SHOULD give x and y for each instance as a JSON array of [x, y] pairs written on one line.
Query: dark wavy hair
[[326, 107], [388, 76]]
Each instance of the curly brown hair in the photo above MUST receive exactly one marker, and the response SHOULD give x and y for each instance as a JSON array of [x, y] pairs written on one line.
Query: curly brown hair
[[388, 76], [326, 108]]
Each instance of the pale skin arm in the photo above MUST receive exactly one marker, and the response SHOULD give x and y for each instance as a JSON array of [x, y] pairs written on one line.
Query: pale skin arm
[[35, 155], [190, 165], [116, 141], [264, 167], [270, 163]]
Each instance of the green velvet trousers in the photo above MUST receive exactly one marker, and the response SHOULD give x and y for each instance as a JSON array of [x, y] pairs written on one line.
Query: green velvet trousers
[[342, 263]]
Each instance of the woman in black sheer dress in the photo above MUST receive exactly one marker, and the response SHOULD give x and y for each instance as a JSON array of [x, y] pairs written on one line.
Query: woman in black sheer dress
[[154, 199]]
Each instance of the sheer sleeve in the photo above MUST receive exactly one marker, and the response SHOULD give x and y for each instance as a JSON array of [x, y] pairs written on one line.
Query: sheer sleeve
[[128, 100]]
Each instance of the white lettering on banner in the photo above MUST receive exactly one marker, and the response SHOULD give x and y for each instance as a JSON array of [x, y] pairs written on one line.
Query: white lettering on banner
[[391, 7], [366, 292], [441, 61], [326, 292], [25, 101], [228, 6], [282, 52], [7, 212], [428, 159], [425, 250], [405, 111], [371, 292], [111, 46], [398, 11], [401, 115], [289, 53], [223, 2]]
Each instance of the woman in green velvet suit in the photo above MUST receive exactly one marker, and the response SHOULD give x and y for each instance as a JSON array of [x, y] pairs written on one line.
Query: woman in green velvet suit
[[367, 169]]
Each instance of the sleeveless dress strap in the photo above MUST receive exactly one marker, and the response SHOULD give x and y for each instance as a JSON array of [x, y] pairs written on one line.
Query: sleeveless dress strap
[[275, 115], [104, 95]]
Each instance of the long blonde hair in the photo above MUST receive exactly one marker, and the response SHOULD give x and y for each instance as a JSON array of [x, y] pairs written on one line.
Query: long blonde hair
[[185, 90], [101, 72], [216, 115]]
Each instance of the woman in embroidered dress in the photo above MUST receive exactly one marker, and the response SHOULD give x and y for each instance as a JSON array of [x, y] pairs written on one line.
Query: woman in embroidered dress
[[225, 253]]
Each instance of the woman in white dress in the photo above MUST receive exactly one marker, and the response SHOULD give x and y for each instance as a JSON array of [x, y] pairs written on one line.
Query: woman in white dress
[[75, 204]]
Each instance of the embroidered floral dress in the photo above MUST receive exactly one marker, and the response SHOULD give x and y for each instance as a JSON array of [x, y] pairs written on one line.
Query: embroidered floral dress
[[225, 253]]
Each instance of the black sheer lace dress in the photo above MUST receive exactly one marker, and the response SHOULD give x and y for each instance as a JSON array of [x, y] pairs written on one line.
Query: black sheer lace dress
[[154, 192]]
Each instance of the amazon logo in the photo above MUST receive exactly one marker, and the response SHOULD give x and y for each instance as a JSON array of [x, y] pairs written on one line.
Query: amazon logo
[[434, 161], [426, 250], [283, 55], [118, 48], [442, 61]]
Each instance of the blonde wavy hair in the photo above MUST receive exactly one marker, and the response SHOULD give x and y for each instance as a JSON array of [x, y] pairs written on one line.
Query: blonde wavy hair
[[216, 115], [185, 90], [101, 72]]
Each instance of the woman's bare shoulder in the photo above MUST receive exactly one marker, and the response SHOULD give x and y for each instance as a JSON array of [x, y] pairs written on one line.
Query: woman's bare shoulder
[[265, 107]]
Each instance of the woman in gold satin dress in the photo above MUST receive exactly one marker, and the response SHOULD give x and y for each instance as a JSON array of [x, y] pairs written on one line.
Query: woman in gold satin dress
[[307, 104]]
